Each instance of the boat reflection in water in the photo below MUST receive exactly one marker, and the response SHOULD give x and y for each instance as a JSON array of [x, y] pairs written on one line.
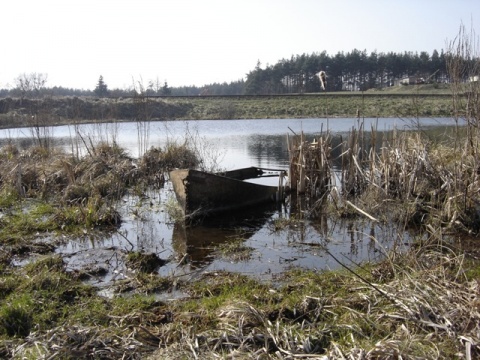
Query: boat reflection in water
[[196, 243]]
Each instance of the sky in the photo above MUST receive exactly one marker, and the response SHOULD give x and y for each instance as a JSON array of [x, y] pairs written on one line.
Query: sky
[[198, 42]]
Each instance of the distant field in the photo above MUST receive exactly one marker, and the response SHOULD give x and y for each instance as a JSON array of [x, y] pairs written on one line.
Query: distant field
[[342, 104], [398, 101]]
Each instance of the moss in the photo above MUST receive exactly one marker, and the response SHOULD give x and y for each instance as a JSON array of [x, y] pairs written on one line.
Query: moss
[[42, 295], [144, 262], [472, 270], [215, 291], [8, 284], [9, 196], [50, 264]]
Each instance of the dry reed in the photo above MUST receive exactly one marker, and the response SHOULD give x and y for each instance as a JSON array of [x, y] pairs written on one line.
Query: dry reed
[[430, 182], [427, 310]]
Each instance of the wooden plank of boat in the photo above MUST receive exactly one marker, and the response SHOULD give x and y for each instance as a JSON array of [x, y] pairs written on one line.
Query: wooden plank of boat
[[242, 174], [202, 193]]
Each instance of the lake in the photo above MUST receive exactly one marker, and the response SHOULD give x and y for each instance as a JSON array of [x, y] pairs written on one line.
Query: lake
[[226, 145], [236, 143]]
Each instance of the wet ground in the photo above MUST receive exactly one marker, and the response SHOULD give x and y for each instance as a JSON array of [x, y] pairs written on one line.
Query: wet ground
[[261, 243], [266, 248]]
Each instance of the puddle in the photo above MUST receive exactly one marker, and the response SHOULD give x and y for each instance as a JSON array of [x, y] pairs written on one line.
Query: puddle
[[109, 292], [192, 251]]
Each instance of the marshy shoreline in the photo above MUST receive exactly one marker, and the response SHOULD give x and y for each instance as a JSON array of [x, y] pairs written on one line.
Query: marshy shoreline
[[422, 303]]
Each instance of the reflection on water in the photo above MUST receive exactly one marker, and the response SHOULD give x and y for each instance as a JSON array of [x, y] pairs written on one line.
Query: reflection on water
[[241, 143], [192, 250], [147, 227], [199, 241]]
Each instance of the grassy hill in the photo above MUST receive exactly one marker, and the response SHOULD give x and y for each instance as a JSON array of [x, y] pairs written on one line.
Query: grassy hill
[[397, 101]]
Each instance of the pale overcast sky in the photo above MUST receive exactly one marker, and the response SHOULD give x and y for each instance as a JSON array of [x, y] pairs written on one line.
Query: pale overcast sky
[[198, 42]]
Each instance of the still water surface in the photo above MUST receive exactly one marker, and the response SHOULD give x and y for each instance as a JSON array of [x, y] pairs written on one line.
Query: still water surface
[[228, 144], [237, 143]]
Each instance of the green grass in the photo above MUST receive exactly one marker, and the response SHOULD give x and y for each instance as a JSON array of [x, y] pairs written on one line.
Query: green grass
[[314, 310], [343, 104], [8, 197], [30, 218], [16, 316], [26, 219]]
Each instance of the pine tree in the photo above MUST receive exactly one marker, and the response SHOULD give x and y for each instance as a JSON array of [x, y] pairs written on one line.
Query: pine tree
[[166, 91], [101, 90]]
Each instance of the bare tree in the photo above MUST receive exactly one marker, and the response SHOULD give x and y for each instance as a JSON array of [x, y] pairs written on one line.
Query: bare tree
[[30, 85], [155, 86]]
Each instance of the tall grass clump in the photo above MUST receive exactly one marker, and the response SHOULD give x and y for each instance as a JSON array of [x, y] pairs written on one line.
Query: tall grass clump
[[310, 164], [170, 157], [16, 318], [83, 191]]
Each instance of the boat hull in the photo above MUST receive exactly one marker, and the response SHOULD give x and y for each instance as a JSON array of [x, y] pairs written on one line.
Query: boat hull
[[202, 193]]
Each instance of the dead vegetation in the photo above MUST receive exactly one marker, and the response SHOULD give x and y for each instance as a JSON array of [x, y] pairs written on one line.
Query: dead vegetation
[[420, 180], [410, 316], [416, 305], [46, 189], [107, 171], [235, 249]]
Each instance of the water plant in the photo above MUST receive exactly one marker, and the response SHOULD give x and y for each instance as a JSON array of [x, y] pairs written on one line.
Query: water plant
[[144, 262], [235, 249]]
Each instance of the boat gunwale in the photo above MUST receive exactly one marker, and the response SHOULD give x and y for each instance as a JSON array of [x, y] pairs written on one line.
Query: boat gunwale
[[184, 179]]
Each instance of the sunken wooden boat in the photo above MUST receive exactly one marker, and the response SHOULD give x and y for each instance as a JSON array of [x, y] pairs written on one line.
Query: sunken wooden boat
[[202, 194]]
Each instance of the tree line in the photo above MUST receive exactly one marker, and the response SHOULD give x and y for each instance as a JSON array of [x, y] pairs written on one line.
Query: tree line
[[355, 71], [352, 71]]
